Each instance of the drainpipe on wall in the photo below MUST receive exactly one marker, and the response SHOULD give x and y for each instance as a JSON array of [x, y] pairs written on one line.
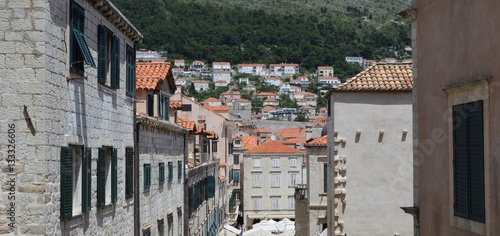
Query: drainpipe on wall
[[137, 221], [186, 188]]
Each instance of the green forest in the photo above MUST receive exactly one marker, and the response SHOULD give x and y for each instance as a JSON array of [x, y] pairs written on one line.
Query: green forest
[[213, 32]]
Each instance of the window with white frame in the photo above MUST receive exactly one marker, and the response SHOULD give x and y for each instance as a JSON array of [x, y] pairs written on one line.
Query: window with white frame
[[275, 180], [291, 201], [256, 180], [276, 162], [256, 202], [293, 179], [275, 203], [256, 162], [293, 162]]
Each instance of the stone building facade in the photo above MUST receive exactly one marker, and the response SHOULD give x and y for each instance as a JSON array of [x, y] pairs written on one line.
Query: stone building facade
[[456, 149], [161, 149], [370, 153], [311, 217], [270, 172], [70, 119]]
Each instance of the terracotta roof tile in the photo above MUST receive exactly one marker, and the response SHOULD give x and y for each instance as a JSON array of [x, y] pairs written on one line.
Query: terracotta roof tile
[[249, 142], [290, 132], [270, 100], [211, 99], [323, 109], [322, 141], [266, 94], [150, 75], [381, 77], [216, 108], [268, 108], [241, 100], [272, 147], [175, 104], [294, 141], [231, 92]]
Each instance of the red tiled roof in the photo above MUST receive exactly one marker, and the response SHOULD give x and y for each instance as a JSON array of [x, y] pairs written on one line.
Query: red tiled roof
[[266, 94], [284, 64], [200, 81], [323, 109], [150, 75], [248, 142], [322, 141], [270, 100], [290, 132], [380, 77], [294, 141], [217, 108], [231, 92], [211, 99], [175, 104], [241, 100], [251, 65], [272, 147], [262, 130], [268, 108]]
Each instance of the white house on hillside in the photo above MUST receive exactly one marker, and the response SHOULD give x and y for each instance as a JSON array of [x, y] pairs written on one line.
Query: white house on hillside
[[283, 70], [252, 69], [224, 66], [325, 71]]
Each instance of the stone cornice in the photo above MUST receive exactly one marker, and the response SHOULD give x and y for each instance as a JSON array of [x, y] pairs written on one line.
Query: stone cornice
[[107, 9], [160, 124]]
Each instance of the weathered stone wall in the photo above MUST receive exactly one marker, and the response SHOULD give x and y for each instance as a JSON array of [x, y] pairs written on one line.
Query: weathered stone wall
[[317, 156], [50, 110], [161, 141]]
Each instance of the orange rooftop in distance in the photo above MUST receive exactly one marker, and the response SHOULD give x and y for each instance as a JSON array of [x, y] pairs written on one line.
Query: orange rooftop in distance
[[321, 141], [272, 147]]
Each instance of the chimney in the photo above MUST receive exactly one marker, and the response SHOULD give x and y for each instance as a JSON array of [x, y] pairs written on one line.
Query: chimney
[[308, 132]]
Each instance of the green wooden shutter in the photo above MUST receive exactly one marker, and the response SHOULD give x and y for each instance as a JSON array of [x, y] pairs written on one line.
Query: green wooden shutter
[[170, 171], [161, 173], [236, 176], [147, 175], [66, 183], [476, 162], [130, 71], [179, 169], [210, 185], [129, 172], [102, 53], [86, 180], [325, 177], [115, 63], [101, 178], [114, 176], [214, 146], [468, 161], [166, 108], [460, 160]]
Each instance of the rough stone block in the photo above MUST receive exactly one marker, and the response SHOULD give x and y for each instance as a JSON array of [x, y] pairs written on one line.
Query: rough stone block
[[7, 47], [19, 13], [21, 24], [32, 187], [14, 61]]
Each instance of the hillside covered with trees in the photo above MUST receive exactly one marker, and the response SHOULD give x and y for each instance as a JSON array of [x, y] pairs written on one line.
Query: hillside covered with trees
[[242, 33]]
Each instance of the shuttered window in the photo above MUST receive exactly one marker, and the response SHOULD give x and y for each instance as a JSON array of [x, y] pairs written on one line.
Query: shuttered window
[[130, 73], [101, 178], [275, 180], [114, 176], [236, 176], [147, 175], [179, 169], [129, 172], [161, 173], [210, 185], [75, 171], [170, 171], [66, 183], [108, 48], [87, 180], [468, 161], [79, 50], [214, 146], [150, 105], [107, 176]]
